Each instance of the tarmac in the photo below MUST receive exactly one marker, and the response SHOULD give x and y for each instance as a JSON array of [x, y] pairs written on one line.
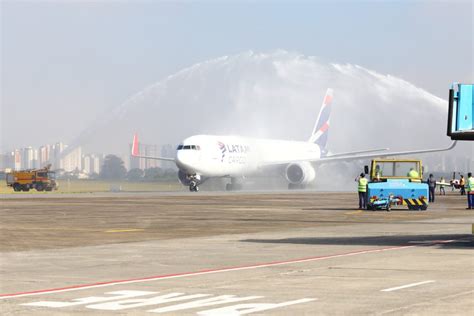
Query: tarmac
[[258, 253]]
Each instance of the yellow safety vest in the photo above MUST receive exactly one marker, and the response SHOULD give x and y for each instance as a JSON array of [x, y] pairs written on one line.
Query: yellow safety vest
[[413, 174], [470, 184], [363, 185]]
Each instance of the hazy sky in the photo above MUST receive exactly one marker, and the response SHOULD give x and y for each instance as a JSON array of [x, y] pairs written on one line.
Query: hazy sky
[[64, 63]]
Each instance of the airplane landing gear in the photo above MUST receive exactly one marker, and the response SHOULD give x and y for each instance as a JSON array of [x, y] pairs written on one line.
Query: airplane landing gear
[[193, 187], [194, 181]]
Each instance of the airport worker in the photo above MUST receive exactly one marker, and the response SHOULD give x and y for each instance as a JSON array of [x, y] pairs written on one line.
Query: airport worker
[[462, 184], [431, 186], [442, 184], [470, 191], [378, 172], [362, 189], [413, 174]]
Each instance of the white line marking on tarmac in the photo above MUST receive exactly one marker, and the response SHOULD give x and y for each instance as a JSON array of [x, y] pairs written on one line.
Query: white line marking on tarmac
[[204, 272], [424, 303], [406, 286], [196, 273]]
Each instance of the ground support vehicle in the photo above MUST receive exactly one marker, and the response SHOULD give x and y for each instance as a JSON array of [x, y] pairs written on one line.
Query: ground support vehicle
[[39, 179], [396, 182]]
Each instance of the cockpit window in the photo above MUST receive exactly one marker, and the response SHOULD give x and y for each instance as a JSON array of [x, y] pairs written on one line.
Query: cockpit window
[[189, 147]]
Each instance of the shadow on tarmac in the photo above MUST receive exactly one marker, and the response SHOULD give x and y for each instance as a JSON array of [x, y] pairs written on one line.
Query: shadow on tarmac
[[460, 240], [331, 209]]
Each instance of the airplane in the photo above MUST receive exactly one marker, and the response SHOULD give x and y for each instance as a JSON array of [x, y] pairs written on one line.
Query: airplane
[[201, 157]]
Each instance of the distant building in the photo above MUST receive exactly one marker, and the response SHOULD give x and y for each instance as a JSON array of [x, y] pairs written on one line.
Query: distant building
[[56, 155], [142, 163], [91, 164], [27, 158], [55, 158], [7, 161], [72, 161], [152, 151], [17, 159], [35, 159], [44, 155], [168, 151], [87, 164]]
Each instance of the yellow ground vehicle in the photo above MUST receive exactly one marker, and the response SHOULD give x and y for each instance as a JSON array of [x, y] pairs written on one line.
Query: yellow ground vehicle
[[39, 179], [396, 182]]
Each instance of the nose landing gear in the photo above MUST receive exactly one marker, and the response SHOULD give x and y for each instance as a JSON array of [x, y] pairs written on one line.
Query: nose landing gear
[[191, 180], [194, 181], [193, 186]]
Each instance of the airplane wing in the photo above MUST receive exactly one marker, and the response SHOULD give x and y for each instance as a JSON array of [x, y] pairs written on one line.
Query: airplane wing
[[387, 154], [356, 152], [136, 151], [354, 156]]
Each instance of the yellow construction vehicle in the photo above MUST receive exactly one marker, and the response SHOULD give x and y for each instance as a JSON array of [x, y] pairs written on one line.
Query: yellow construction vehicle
[[40, 179]]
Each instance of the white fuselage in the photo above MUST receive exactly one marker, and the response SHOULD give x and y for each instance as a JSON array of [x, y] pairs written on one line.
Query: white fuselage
[[234, 156]]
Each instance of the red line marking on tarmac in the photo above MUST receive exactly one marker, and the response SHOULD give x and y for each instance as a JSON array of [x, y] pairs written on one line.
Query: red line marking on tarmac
[[207, 271]]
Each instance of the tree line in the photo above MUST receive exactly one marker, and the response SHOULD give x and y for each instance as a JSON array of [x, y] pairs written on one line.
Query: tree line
[[113, 169]]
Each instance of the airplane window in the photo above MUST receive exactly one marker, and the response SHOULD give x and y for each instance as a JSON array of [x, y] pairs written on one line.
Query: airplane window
[[198, 147], [193, 147], [180, 147], [187, 147]]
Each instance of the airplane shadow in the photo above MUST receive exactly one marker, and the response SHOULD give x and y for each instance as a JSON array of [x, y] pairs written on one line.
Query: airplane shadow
[[460, 240]]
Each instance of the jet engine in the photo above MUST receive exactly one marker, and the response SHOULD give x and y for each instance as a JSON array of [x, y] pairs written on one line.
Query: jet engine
[[300, 173]]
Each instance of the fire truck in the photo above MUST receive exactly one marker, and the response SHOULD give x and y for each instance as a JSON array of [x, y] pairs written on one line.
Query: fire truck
[[40, 179]]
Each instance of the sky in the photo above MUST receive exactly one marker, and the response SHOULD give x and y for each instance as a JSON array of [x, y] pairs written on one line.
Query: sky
[[65, 63]]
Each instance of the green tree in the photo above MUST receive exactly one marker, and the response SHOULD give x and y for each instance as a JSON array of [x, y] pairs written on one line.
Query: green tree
[[135, 174], [153, 174], [113, 168], [170, 174]]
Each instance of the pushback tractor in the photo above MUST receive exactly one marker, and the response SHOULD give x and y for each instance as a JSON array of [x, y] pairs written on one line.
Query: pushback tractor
[[396, 182]]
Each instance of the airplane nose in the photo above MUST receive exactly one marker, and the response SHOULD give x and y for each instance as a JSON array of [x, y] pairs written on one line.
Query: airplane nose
[[185, 161]]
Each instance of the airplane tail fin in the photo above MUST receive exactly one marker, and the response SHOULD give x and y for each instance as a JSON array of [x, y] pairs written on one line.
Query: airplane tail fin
[[135, 147], [320, 130], [136, 151]]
